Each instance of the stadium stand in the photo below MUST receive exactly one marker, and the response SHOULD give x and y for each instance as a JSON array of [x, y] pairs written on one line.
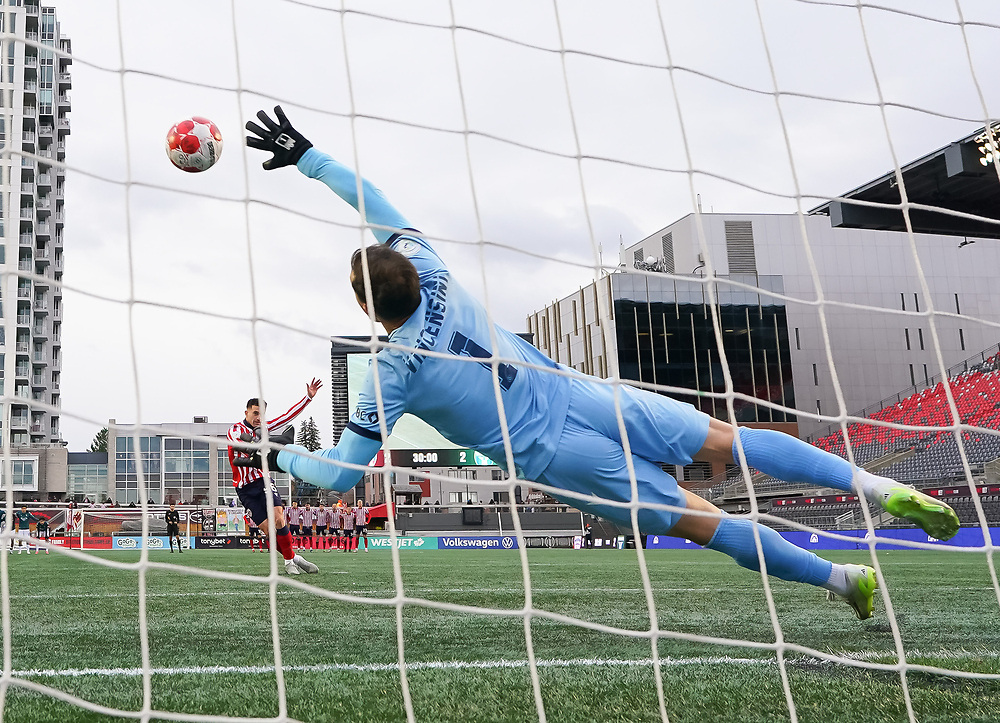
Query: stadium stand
[[923, 458]]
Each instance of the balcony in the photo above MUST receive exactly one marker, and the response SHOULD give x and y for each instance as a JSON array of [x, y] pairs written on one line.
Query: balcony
[[42, 255], [29, 110], [36, 429], [31, 87], [43, 229], [24, 320], [41, 306], [25, 265], [31, 36], [28, 137], [22, 347], [39, 358], [27, 213], [24, 292], [38, 381], [65, 78], [31, 10], [30, 61], [28, 162], [19, 422], [41, 331], [45, 130], [44, 179], [26, 239]]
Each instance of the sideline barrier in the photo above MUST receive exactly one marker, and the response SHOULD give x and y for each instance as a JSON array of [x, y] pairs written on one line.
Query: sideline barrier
[[966, 537]]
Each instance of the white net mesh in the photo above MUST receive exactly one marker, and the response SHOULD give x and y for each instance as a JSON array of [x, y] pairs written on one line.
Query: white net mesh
[[524, 139]]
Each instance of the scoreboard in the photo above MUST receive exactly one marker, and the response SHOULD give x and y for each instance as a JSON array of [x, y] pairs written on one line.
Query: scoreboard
[[439, 458]]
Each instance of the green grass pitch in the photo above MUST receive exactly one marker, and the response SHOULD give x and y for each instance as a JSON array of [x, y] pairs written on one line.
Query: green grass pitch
[[74, 628]]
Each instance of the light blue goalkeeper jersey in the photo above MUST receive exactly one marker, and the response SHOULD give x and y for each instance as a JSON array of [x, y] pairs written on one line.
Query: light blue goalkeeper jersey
[[452, 389]]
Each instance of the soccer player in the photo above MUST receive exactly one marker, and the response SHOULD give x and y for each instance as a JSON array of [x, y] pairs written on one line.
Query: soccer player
[[306, 525], [360, 524], [42, 532], [294, 520], [23, 520], [253, 532], [251, 486], [321, 523], [563, 428], [173, 520], [347, 522]]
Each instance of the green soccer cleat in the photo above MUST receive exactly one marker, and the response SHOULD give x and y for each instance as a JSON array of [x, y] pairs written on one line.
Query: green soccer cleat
[[861, 582], [934, 517]]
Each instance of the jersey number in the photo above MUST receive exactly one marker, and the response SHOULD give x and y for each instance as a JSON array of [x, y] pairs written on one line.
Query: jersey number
[[461, 345]]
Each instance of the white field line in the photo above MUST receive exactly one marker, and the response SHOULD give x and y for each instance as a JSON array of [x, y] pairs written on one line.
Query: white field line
[[386, 591], [490, 665]]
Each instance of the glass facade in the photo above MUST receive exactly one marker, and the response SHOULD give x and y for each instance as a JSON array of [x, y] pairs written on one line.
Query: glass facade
[[86, 482], [666, 336]]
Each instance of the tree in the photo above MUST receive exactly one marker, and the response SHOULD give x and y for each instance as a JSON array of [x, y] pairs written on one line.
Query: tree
[[309, 435], [100, 443]]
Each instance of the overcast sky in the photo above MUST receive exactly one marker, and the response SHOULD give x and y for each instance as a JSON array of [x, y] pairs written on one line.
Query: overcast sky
[[533, 128]]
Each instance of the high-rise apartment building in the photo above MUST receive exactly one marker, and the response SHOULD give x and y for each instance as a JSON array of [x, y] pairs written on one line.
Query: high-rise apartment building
[[34, 123]]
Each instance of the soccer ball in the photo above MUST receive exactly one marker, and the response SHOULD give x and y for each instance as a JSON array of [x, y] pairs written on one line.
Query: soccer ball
[[194, 144]]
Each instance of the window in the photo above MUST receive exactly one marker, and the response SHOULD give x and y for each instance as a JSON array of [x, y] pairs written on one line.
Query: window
[[958, 309], [906, 334], [961, 341], [913, 379], [798, 341], [819, 407], [815, 376], [920, 338]]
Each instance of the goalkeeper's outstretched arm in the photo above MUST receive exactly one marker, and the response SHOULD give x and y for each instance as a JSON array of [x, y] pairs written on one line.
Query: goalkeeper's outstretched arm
[[385, 220], [318, 468]]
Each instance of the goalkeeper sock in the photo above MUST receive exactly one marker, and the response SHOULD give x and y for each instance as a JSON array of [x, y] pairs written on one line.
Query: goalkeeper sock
[[792, 460], [283, 539], [784, 560]]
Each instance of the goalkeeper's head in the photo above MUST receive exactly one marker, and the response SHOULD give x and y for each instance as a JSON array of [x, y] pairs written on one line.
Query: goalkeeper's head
[[395, 284]]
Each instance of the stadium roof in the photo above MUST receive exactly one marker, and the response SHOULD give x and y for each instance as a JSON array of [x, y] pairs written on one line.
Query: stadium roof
[[961, 177]]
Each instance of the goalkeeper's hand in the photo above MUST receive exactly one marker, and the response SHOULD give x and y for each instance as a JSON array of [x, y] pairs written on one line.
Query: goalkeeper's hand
[[286, 143], [254, 460]]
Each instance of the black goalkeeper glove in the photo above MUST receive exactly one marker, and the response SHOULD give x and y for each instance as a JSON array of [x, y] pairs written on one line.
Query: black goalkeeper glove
[[254, 460], [286, 143]]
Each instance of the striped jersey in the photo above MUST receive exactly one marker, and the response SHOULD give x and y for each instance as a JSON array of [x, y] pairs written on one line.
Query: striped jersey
[[360, 516], [241, 431], [293, 515], [308, 516], [348, 519]]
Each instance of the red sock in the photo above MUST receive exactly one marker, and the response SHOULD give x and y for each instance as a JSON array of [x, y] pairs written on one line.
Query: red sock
[[283, 540], [366, 542]]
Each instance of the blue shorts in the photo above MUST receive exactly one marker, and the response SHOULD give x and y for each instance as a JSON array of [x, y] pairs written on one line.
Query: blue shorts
[[590, 458], [253, 498]]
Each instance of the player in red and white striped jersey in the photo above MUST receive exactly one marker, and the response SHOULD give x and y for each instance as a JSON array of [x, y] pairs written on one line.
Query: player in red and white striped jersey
[[360, 524], [347, 515], [308, 517], [252, 487]]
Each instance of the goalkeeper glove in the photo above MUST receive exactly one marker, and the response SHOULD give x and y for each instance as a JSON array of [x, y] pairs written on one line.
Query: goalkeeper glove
[[254, 460], [286, 143]]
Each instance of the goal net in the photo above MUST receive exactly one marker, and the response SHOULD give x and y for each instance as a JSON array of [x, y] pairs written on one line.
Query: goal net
[[664, 192]]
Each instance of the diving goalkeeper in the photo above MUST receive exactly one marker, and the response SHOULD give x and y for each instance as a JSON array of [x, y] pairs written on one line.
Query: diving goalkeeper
[[563, 427]]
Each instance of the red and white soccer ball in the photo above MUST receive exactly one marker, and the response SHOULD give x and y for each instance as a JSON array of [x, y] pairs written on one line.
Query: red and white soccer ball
[[194, 144]]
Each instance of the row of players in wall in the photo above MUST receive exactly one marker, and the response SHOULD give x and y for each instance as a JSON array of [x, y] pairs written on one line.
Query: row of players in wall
[[339, 527]]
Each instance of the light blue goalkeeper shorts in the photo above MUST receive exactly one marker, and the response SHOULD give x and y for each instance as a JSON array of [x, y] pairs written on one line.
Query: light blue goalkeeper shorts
[[590, 458]]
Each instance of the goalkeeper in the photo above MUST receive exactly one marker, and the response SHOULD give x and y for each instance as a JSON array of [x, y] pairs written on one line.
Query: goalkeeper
[[563, 427]]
